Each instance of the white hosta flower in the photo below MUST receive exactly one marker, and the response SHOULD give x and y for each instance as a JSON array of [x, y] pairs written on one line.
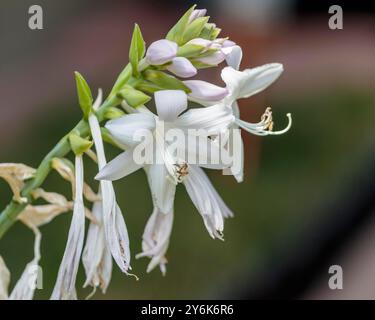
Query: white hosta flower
[[243, 84], [26, 285], [163, 177], [155, 239], [113, 221], [65, 284], [4, 280], [182, 67], [96, 256], [161, 52]]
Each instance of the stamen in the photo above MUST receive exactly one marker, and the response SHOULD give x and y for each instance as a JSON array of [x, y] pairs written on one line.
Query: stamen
[[181, 171]]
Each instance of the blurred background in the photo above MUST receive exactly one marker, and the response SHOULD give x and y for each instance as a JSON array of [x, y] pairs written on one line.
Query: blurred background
[[308, 201]]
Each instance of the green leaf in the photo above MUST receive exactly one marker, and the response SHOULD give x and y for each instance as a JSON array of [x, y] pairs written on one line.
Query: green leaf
[[122, 79], [194, 29], [165, 81], [133, 97], [176, 33], [137, 49], [78, 144], [84, 95]]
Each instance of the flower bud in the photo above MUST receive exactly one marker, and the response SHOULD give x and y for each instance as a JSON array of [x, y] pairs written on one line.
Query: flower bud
[[202, 90], [182, 67], [198, 13], [213, 59], [161, 51]]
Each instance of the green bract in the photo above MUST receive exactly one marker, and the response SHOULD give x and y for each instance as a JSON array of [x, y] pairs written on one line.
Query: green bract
[[165, 81], [84, 94], [122, 79], [78, 144], [177, 32], [137, 49], [133, 97]]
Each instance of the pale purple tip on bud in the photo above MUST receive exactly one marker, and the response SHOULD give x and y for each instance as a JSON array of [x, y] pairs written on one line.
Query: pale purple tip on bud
[[214, 58], [182, 67], [197, 14], [161, 51], [202, 90]]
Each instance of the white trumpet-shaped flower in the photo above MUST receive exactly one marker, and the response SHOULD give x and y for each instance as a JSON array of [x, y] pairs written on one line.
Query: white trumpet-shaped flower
[[96, 256], [165, 175], [65, 284], [113, 221], [155, 239]]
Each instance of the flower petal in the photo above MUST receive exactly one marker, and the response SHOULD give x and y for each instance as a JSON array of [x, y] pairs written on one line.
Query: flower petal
[[213, 59], [202, 90], [161, 51], [243, 84], [156, 239], [96, 257], [123, 129], [207, 201], [211, 119], [197, 13], [162, 188], [233, 56], [170, 103], [4, 280], [182, 67], [65, 284], [119, 167]]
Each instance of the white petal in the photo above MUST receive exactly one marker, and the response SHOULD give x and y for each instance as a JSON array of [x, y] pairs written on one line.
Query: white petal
[[4, 280], [182, 67], [96, 257], [237, 154], [162, 188], [115, 228], [161, 51], [213, 59], [119, 167], [211, 119], [26, 285], [250, 81], [207, 201], [233, 56], [156, 239], [198, 13], [204, 43], [123, 129], [203, 90], [170, 103], [65, 284]]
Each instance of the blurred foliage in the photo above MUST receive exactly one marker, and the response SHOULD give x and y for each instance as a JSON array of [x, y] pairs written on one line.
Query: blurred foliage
[[298, 171]]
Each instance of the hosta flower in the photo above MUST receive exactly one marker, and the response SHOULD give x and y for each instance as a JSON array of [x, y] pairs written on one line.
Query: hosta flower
[[155, 239], [182, 67], [165, 175], [114, 225], [65, 284], [96, 256], [4, 279]]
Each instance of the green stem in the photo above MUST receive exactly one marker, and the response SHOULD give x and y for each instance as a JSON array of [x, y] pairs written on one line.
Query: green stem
[[61, 149]]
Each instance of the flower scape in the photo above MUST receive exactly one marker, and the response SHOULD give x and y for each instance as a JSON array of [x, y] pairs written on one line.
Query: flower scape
[[196, 124]]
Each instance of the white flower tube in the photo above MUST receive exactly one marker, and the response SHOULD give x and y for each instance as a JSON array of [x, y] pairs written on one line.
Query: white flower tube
[[26, 285], [114, 225], [66, 279], [96, 256]]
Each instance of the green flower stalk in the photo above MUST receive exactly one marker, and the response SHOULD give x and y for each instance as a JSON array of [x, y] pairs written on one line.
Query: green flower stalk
[[161, 72]]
